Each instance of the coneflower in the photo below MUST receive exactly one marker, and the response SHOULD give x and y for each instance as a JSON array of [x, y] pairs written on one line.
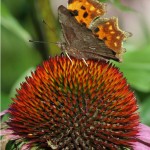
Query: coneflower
[[69, 105]]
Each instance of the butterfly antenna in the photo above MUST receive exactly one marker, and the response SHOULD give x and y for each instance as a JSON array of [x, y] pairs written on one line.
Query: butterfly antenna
[[52, 29], [34, 41]]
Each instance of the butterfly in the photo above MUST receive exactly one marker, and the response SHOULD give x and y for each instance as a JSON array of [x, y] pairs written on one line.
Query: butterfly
[[78, 41], [87, 35]]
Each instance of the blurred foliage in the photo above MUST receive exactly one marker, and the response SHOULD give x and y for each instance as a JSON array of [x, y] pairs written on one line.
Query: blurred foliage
[[23, 21], [136, 68], [17, 52], [118, 4]]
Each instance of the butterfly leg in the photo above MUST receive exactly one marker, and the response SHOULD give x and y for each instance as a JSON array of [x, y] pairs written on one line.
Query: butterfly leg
[[85, 62], [68, 57]]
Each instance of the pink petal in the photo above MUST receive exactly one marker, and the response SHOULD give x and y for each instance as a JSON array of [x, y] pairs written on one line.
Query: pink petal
[[3, 112], [143, 138], [25, 147]]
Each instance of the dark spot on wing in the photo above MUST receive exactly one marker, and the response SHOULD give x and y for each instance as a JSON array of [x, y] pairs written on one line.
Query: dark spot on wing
[[74, 13], [85, 15], [84, 24], [70, 1], [82, 7], [96, 30], [105, 38]]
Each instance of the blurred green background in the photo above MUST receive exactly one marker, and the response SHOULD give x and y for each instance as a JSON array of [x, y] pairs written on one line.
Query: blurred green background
[[22, 20]]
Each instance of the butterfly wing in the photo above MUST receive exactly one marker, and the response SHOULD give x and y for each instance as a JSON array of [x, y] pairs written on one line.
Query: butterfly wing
[[108, 31], [86, 10]]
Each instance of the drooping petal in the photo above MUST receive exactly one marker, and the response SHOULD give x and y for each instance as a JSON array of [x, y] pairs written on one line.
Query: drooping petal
[[143, 138]]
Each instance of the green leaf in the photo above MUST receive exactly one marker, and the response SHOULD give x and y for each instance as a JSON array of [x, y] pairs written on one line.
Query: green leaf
[[17, 53], [51, 32], [14, 145], [145, 111], [136, 68], [10, 23], [118, 4], [20, 80], [5, 101]]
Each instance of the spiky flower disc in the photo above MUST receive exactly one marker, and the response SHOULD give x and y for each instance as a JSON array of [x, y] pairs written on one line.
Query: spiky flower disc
[[71, 105]]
